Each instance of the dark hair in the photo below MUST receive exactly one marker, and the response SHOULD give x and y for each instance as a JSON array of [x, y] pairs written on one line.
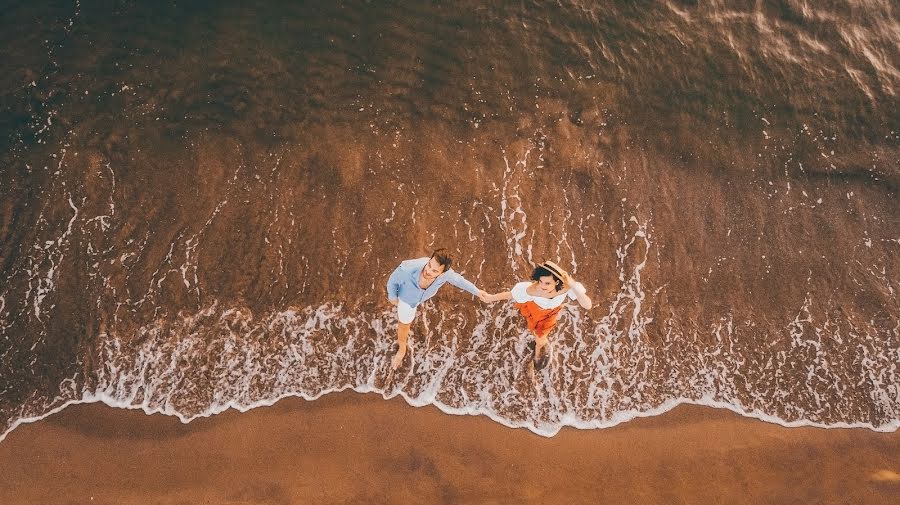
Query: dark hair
[[443, 258], [540, 271]]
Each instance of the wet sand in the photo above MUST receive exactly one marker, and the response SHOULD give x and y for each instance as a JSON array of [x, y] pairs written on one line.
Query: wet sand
[[352, 448]]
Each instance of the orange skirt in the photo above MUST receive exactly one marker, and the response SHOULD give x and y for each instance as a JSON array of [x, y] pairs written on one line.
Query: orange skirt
[[540, 321]]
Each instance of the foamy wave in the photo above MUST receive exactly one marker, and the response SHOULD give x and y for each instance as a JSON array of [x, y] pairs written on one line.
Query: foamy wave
[[473, 361]]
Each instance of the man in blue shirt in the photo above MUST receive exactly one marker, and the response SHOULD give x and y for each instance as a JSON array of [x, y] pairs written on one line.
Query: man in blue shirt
[[415, 281]]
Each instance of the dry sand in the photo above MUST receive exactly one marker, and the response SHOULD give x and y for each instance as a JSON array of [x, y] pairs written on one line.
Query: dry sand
[[352, 448]]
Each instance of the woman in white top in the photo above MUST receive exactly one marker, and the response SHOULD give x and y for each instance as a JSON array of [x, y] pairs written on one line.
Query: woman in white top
[[540, 301]]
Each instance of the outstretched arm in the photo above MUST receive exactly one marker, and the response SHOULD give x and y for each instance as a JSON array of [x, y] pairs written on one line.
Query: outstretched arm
[[503, 295], [464, 284]]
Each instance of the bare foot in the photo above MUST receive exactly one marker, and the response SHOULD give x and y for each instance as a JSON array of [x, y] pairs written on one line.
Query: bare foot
[[541, 357], [541, 362]]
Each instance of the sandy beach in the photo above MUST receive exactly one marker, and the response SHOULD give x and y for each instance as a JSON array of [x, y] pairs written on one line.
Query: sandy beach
[[353, 448], [201, 204]]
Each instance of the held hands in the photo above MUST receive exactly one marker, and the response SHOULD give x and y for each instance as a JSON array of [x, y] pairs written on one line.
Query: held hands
[[486, 297]]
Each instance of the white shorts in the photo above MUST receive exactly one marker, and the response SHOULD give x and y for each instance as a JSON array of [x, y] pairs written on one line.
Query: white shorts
[[405, 313]]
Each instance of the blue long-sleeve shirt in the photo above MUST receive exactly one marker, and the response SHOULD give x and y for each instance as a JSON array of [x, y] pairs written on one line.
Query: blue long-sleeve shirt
[[404, 282]]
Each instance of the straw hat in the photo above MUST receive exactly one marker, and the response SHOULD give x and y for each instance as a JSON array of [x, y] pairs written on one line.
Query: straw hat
[[556, 270]]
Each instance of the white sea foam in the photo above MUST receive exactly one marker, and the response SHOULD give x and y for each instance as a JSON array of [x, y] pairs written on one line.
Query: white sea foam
[[566, 421], [474, 362]]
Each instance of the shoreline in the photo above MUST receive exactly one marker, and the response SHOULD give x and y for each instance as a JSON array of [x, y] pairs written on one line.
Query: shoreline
[[354, 448], [624, 418]]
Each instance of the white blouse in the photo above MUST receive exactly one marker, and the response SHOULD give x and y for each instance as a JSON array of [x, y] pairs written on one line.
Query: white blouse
[[520, 294]]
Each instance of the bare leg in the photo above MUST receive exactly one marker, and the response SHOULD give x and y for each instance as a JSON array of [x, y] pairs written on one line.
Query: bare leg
[[402, 336], [540, 344]]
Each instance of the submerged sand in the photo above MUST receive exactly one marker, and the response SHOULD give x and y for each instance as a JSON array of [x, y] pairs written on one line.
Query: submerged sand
[[352, 448]]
